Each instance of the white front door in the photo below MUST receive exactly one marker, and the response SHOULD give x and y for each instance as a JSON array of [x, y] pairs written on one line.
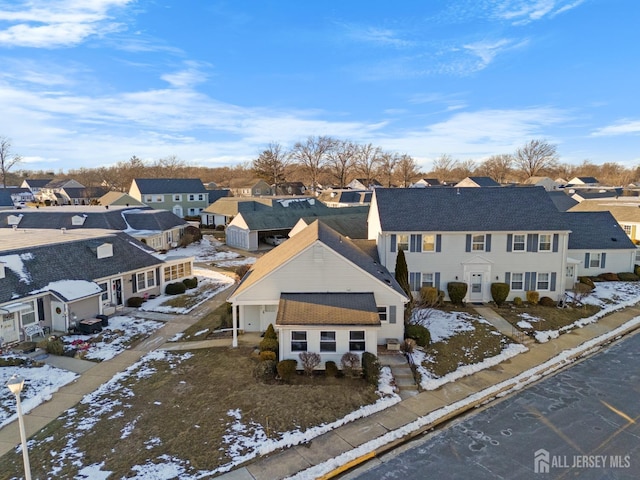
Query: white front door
[[475, 287], [177, 210], [58, 317], [9, 328]]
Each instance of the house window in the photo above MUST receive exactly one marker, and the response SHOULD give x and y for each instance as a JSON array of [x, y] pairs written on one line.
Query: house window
[[175, 272], [519, 243], [543, 281], [517, 281], [298, 341], [201, 196], [477, 243], [193, 211], [28, 316], [141, 281], [382, 314], [428, 243], [427, 280], [148, 198], [327, 341], [545, 243], [192, 197], [177, 198], [159, 198], [627, 229], [594, 260], [145, 280], [403, 242], [356, 341], [105, 293], [151, 279]]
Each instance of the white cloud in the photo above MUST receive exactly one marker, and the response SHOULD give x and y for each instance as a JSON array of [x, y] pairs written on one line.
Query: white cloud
[[487, 51], [623, 127], [522, 12], [378, 36], [56, 23]]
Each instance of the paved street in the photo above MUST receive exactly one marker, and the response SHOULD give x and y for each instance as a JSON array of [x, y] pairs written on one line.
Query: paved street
[[585, 415]]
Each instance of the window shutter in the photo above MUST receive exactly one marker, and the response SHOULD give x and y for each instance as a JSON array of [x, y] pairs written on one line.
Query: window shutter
[[468, 246], [556, 241], [487, 242], [509, 242], [436, 280], [134, 283], [415, 243], [603, 259], [392, 314], [587, 257], [530, 242], [552, 285], [438, 243], [507, 278], [157, 277], [534, 285], [527, 281], [414, 281], [393, 242], [534, 243]]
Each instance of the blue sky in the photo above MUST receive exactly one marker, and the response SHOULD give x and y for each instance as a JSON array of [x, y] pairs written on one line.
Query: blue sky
[[88, 83]]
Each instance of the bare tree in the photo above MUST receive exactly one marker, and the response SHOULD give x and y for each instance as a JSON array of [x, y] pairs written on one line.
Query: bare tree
[[169, 167], [534, 157], [407, 169], [7, 160], [367, 158], [341, 160], [312, 154], [271, 165], [443, 166], [387, 169], [497, 167], [464, 169]]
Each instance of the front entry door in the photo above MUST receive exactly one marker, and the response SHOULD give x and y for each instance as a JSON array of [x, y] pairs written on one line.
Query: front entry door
[[116, 291], [476, 287], [9, 328], [58, 317]]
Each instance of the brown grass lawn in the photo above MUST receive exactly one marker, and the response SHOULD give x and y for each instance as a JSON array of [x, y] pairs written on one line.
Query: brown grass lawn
[[553, 317], [182, 411]]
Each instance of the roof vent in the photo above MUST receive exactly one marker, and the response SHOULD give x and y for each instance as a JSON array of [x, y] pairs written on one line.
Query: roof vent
[[63, 230]]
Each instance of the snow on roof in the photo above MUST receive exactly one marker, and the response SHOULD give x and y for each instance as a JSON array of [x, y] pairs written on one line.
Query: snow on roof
[[71, 289], [14, 263]]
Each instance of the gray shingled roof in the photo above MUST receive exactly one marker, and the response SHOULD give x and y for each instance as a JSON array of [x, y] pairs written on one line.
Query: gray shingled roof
[[350, 222], [467, 209], [485, 181], [38, 182], [5, 198], [138, 218], [561, 200], [596, 230], [328, 309], [75, 260], [170, 185]]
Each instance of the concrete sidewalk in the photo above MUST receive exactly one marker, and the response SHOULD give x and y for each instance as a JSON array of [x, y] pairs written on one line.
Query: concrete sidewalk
[[286, 463]]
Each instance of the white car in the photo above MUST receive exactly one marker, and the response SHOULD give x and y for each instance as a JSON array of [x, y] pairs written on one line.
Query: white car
[[274, 239]]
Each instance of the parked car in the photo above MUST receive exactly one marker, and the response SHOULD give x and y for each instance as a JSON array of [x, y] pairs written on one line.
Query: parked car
[[274, 239]]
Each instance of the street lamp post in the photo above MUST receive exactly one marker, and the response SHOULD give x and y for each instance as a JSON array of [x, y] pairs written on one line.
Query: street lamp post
[[16, 384]]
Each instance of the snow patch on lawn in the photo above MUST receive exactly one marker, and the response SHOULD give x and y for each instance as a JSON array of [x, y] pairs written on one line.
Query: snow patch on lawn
[[442, 325]]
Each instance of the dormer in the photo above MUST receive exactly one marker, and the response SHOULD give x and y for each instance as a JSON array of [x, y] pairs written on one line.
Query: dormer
[[2, 264], [105, 250], [78, 220], [14, 219]]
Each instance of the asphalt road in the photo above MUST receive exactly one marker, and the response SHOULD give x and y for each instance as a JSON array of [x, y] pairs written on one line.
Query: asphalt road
[[579, 423]]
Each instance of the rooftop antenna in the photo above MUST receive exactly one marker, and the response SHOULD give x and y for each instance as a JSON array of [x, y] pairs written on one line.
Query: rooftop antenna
[[458, 191]]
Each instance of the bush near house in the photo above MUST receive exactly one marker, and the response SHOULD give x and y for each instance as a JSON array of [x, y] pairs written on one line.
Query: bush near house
[[533, 297], [287, 369], [457, 291], [517, 301], [190, 282], [418, 333], [265, 371], [636, 270], [547, 302], [267, 355], [175, 288], [309, 360], [587, 281], [499, 292], [350, 364], [609, 277], [628, 277], [331, 369], [370, 368], [431, 296], [135, 302]]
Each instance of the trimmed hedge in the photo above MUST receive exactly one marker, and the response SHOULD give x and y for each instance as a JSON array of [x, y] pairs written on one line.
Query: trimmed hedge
[[609, 277], [457, 291], [190, 282], [287, 369], [533, 297], [628, 277], [418, 333], [431, 296], [331, 369], [175, 288], [547, 302], [350, 363], [269, 345], [135, 301], [267, 355], [499, 292], [587, 281], [270, 332], [265, 371], [370, 368], [517, 301]]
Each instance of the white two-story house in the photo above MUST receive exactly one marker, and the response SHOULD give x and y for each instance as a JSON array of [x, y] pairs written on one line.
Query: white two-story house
[[474, 235]]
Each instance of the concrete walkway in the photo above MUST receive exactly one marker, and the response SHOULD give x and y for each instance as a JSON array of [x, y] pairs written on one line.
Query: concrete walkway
[[355, 434]]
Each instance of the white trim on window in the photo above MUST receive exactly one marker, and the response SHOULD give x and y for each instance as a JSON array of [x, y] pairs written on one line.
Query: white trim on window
[[478, 243], [543, 281], [517, 281], [545, 242], [519, 243]]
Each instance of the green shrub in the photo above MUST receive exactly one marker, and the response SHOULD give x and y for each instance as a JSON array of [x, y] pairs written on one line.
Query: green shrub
[[268, 344], [309, 360], [609, 277], [517, 301], [628, 277], [350, 364], [418, 333], [265, 371], [287, 369], [330, 369], [267, 355], [270, 332], [370, 368], [636, 270], [190, 282], [457, 291], [587, 281], [430, 296], [54, 346], [135, 301], [175, 288], [499, 292], [547, 302], [582, 288], [533, 297]]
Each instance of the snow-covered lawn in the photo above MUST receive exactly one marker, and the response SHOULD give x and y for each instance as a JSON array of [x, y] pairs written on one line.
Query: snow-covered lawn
[[206, 250], [445, 325], [609, 296], [210, 283]]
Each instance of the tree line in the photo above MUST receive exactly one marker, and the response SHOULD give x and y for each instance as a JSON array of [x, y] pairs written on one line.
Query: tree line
[[328, 161]]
